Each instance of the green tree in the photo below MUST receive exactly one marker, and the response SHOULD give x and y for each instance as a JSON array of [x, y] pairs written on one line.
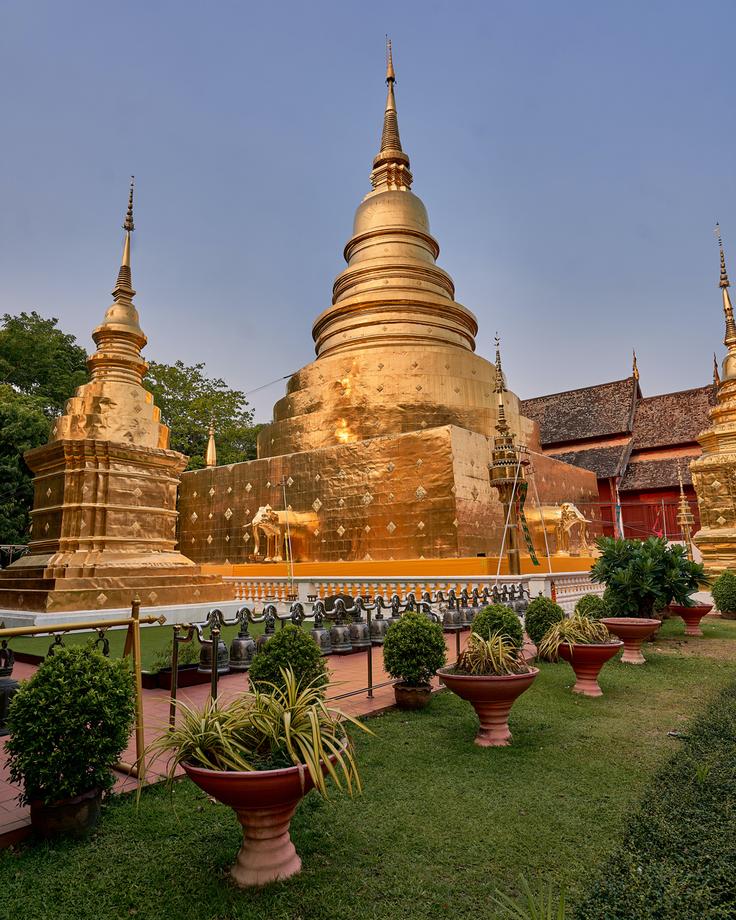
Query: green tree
[[38, 359], [189, 400], [40, 367], [23, 424]]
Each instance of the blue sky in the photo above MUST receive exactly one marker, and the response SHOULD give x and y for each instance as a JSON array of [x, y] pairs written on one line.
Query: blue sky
[[573, 157]]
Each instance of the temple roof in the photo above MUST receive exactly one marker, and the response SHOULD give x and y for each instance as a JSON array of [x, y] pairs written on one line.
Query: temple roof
[[605, 462], [655, 474], [604, 410], [672, 418]]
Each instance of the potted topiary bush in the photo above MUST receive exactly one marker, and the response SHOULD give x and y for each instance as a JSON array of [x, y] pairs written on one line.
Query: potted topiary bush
[[490, 674], [586, 645], [500, 619], [261, 754], [641, 577], [69, 724], [413, 649], [592, 606], [724, 595], [541, 614], [294, 648]]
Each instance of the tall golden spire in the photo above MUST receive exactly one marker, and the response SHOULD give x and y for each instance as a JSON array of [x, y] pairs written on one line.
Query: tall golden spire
[[119, 338], [634, 366], [210, 457], [391, 165], [502, 426], [730, 338]]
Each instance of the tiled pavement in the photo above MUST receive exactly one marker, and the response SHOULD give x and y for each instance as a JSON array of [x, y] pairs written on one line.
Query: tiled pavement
[[348, 672]]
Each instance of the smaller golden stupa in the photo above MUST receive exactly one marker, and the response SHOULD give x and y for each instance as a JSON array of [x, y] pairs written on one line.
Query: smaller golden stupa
[[105, 488], [714, 472]]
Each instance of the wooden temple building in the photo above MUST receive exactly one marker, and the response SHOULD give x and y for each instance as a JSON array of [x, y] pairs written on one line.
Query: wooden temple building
[[632, 443]]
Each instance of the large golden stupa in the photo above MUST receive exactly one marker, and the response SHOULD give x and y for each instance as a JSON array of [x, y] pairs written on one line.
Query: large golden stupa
[[380, 448], [105, 489]]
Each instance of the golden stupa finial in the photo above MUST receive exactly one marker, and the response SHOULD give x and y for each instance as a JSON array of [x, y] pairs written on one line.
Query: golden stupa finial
[[210, 457], [390, 74], [679, 477], [716, 374], [729, 339], [634, 366], [502, 427], [128, 225], [391, 165]]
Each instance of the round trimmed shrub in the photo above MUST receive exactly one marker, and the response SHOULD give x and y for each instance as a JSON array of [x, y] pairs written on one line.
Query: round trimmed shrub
[[724, 595], [413, 649], [497, 618], [69, 724], [541, 614], [591, 606], [289, 647]]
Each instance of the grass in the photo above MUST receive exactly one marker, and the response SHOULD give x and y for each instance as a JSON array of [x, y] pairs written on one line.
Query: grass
[[441, 825]]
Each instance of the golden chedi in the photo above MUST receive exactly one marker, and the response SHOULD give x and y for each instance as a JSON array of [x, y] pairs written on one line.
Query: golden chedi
[[105, 488], [380, 448], [714, 472]]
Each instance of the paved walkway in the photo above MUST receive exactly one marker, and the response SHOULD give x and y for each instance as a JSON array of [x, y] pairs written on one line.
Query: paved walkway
[[348, 673]]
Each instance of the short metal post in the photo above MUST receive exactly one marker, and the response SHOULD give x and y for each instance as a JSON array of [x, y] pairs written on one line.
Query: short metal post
[[457, 643], [174, 677], [215, 640], [370, 656], [140, 742]]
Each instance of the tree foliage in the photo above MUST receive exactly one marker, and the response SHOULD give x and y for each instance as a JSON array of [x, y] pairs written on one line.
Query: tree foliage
[[40, 367], [39, 360], [189, 401]]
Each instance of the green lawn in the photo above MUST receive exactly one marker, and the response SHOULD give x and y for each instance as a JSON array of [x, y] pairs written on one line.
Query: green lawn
[[441, 825]]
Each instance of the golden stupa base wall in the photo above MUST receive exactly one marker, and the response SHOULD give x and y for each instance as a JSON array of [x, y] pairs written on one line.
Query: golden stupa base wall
[[416, 496], [104, 530], [718, 549]]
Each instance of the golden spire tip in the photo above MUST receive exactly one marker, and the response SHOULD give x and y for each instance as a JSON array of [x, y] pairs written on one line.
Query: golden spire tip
[[634, 365], [129, 225], [390, 73]]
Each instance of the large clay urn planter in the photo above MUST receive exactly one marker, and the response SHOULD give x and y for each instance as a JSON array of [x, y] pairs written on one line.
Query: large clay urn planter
[[692, 616], [586, 662], [633, 631], [492, 698], [265, 802], [68, 817], [410, 696]]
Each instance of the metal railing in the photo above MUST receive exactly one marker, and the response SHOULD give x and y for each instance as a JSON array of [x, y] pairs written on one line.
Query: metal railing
[[356, 624]]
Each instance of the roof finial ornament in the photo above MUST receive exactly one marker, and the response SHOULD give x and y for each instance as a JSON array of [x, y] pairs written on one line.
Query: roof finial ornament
[[634, 366], [210, 458], [716, 374]]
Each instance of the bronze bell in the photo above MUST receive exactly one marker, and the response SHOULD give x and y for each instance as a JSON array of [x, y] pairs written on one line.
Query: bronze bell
[[358, 630], [205, 658], [378, 629], [8, 686], [243, 646], [270, 630], [320, 634], [339, 633], [452, 619], [468, 615]]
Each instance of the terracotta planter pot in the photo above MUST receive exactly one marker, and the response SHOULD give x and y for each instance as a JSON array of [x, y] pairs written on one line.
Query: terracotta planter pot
[[412, 697], [633, 631], [68, 817], [492, 698], [586, 662], [691, 616], [265, 802]]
